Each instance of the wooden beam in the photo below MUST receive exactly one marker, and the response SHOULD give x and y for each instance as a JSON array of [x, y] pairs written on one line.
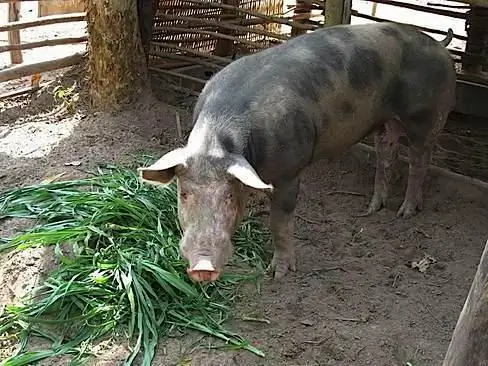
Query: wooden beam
[[14, 35], [470, 337], [432, 169], [480, 3], [425, 9], [20, 71], [11, 1], [52, 19], [46, 43], [337, 12]]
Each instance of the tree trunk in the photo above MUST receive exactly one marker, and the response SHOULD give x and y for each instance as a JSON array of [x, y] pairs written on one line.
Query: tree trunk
[[469, 341], [117, 67]]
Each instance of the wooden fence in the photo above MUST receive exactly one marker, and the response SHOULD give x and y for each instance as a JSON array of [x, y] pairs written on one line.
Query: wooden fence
[[15, 46], [189, 35]]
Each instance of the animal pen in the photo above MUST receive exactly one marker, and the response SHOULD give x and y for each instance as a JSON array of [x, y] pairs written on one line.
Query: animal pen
[[188, 40]]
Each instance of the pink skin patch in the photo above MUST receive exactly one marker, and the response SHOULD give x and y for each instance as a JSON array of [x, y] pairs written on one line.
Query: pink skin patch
[[203, 271]]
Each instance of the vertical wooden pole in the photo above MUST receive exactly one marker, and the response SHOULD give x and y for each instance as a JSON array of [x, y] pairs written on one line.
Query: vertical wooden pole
[[337, 12], [303, 12], [14, 36], [373, 11], [225, 47], [470, 336]]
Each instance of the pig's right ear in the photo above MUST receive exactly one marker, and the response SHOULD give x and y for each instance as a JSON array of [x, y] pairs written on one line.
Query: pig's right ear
[[163, 170], [244, 172]]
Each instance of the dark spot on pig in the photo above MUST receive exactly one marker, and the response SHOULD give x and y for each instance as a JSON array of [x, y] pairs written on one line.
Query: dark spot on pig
[[304, 129], [392, 32], [333, 57], [227, 142], [347, 108], [396, 97], [255, 150], [365, 67]]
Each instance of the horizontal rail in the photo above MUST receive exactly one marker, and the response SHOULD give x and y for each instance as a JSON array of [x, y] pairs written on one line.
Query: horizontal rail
[[425, 9], [46, 43], [425, 29], [52, 19], [20, 71]]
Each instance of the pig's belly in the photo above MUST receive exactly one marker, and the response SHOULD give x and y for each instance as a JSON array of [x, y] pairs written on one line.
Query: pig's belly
[[339, 136]]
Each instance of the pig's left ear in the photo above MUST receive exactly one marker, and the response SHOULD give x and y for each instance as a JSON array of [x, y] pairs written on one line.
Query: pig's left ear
[[163, 170], [243, 171]]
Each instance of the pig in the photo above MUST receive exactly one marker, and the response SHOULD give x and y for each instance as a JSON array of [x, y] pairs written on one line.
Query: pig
[[262, 119]]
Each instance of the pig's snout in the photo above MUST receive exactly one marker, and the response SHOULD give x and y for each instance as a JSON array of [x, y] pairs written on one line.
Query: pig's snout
[[203, 270]]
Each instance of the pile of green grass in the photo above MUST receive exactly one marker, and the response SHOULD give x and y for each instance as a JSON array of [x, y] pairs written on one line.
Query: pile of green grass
[[124, 272]]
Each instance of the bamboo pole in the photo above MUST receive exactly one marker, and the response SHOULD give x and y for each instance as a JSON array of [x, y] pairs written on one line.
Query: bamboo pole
[[20, 71], [189, 50], [270, 18], [52, 19], [223, 25], [425, 29], [177, 74], [210, 33], [192, 60], [46, 43], [425, 9], [14, 35]]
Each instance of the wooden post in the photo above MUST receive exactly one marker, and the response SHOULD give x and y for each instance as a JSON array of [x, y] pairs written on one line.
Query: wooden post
[[225, 47], [302, 12], [146, 10], [373, 11], [337, 12], [470, 337], [14, 35]]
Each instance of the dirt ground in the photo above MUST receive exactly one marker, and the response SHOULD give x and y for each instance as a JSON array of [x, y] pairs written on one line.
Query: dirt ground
[[354, 300]]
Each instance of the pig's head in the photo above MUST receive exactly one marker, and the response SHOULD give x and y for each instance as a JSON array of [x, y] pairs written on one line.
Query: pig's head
[[212, 192]]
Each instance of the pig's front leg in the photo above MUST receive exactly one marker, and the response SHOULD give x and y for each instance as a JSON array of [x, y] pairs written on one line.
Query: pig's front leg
[[282, 224]]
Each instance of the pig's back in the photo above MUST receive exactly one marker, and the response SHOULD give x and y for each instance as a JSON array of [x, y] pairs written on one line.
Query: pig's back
[[334, 82], [316, 67]]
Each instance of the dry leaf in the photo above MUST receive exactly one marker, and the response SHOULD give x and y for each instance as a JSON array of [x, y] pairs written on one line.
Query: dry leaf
[[52, 178]]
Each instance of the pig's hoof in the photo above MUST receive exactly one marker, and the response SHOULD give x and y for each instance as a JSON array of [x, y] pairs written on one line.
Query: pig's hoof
[[407, 210], [376, 204], [281, 263]]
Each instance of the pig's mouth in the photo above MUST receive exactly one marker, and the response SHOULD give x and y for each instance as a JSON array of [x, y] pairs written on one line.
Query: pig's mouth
[[203, 271]]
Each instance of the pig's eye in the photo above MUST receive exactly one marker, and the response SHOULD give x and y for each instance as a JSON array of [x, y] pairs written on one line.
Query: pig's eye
[[183, 196]]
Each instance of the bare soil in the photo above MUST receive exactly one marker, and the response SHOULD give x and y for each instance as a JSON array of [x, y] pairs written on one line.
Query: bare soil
[[354, 300]]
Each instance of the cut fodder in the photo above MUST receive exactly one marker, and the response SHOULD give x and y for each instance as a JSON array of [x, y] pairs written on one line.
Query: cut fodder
[[122, 272]]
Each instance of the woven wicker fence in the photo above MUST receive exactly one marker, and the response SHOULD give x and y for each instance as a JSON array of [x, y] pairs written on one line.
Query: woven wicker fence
[[191, 37]]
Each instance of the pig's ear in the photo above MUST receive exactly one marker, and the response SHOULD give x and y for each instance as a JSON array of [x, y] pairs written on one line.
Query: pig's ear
[[243, 171], [163, 170]]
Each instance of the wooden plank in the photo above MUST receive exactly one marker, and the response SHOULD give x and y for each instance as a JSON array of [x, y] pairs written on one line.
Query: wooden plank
[[14, 35], [53, 19], [480, 3], [20, 71], [46, 43], [337, 12], [425, 9], [52, 7], [470, 336]]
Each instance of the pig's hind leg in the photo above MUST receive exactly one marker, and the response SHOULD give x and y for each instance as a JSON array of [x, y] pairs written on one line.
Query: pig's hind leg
[[386, 143], [422, 137], [282, 223]]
